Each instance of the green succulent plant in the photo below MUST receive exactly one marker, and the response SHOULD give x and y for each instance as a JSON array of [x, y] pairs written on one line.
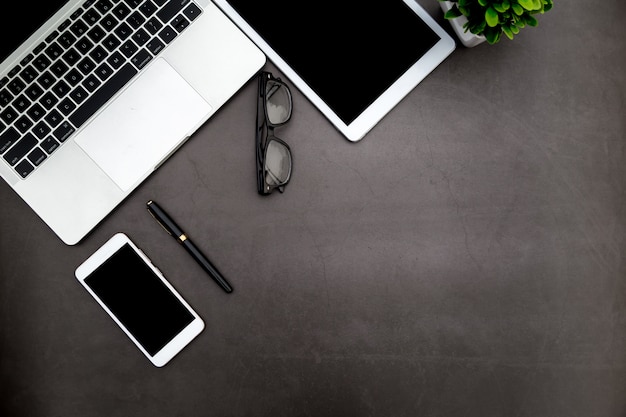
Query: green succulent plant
[[492, 18]]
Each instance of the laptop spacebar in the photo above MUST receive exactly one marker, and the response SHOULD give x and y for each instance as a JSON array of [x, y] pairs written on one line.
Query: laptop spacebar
[[102, 95]]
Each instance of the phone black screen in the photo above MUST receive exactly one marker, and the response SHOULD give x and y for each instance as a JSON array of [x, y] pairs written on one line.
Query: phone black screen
[[139, 299]]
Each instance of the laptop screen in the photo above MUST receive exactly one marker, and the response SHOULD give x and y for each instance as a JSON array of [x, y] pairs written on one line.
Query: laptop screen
[[35, 14]]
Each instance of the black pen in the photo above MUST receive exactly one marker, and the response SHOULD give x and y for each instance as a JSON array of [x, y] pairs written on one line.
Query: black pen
[[172, 228]]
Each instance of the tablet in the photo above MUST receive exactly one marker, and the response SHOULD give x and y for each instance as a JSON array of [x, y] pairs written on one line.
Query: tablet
[[354, 59]]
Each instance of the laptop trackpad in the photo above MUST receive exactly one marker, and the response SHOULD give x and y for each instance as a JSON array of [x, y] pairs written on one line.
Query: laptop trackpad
[[148, 121]]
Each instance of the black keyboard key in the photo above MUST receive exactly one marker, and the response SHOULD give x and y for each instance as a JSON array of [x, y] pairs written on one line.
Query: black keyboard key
[[66, 39], [21, 103], [49, 145], [135, 20], [103, 6], [27, 59], [24, 168], [77, 14], [8, 138], [155, 46], [41, 130], [116, 60], [79, 94], [91, 83], [8, 115], [59, 68], [86, 65], [66, 106], [5, 97], [109, 22], [20, 149], [192, 11], [37, 156], [168, 34], [180, 23], [104, 71], [84, 45], [16, 69], [63, 132], [64, 25], [49, 100], [16, 86], [98, 54], [141, 37], [91, 17], [111, 42], [171, 9], [148, 8], [34, 91], [28, 74], [96, 34], [123, 31], [141, 59], [52, 36], [46, 79], [121, 11], [23, 124], [36, 112], [71, 57], [128, 48], [41, 62], [102, 95], [79, 28], [53, 118], [39, 48], [153, 25], [54, 51], [73, 77], [61, 89]]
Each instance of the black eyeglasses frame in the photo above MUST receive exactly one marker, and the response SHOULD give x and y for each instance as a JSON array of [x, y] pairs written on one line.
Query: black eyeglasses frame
[[265, 134]]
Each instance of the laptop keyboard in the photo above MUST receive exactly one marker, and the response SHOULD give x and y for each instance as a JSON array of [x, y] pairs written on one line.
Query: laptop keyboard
[[77, 69]]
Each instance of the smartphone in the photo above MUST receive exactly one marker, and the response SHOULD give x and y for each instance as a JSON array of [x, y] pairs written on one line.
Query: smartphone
[[138, 297]]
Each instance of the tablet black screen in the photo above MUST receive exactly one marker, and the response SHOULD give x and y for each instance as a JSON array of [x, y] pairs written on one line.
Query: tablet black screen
[[347, 51]]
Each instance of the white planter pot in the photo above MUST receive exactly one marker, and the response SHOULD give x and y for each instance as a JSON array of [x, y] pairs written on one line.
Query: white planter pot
[[467, 38]]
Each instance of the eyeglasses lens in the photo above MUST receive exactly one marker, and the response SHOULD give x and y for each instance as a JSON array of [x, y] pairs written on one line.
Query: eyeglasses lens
[[278, 103], [277, 163]]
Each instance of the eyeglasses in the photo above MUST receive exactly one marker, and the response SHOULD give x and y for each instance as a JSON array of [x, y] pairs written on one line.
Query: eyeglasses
[[273, 156]]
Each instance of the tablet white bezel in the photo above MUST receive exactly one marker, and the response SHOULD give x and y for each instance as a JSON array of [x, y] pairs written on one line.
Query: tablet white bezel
[[356, 130], [181, 339]]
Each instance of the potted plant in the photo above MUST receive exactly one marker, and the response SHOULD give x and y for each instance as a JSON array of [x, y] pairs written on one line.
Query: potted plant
[[475, 21]]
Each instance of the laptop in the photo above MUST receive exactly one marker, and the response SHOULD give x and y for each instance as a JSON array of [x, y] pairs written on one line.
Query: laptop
[[96, 94]]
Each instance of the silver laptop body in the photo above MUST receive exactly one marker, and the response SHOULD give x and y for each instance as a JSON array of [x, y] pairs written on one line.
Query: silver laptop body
[[104, 92]]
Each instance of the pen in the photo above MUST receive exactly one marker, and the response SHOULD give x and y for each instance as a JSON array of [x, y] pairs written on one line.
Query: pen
[[172, 228]]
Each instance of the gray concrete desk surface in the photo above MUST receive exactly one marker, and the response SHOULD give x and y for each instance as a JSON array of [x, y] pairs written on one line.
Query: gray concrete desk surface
[[466, 258]]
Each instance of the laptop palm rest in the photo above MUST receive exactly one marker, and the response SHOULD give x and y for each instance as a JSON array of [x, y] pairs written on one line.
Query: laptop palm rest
[[134, 134]]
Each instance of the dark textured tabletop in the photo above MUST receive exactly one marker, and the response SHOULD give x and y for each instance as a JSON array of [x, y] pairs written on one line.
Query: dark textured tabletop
[[466, 258]]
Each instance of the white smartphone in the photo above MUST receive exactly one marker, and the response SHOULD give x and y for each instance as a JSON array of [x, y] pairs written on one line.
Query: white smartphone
[[138, 297]]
